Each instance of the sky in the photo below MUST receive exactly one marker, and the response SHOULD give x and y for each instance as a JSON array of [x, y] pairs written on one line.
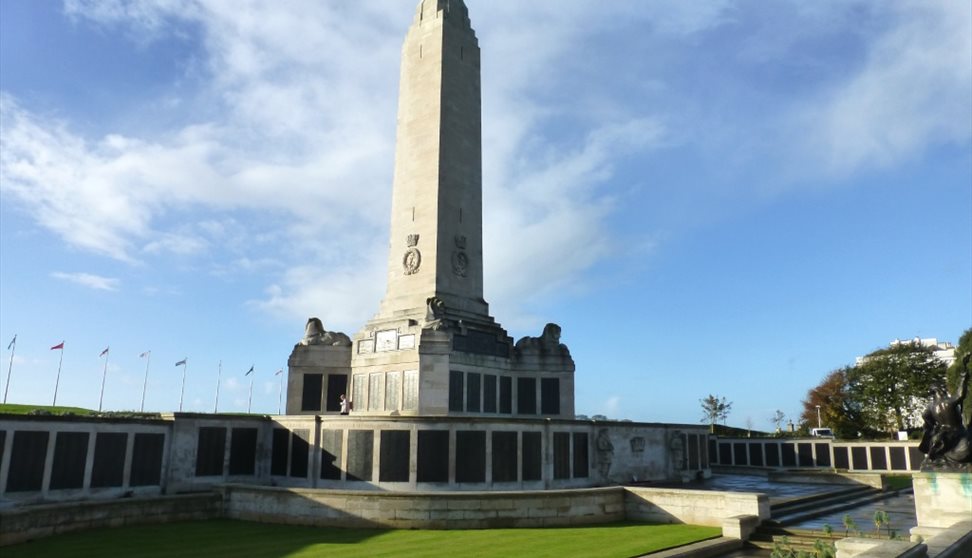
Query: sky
[[728, 198]]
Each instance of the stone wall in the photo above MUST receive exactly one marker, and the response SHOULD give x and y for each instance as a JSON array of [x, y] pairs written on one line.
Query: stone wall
[[428, 510], [696, 507], [33, 522], [46, 459], [414, 510], [889, 456], [65, 458], [480, 510]]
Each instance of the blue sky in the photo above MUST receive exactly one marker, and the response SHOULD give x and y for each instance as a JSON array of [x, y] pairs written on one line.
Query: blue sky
[[710, 197]]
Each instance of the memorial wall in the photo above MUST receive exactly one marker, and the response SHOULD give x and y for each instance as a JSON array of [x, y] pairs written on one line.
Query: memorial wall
[[45, 459]]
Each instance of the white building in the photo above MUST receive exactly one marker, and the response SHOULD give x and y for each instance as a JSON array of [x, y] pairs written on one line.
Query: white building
[[943, 350]]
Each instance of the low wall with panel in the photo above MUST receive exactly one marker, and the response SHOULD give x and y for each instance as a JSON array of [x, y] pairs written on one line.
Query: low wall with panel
[[425, 510], [70, 458], [34, 522], [403, 510], [49, 459], [696, 507], [816, 453]]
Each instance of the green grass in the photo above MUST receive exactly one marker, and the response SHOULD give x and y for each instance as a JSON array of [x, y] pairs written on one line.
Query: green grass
[[897, 482], [16, 409], [240, 539]]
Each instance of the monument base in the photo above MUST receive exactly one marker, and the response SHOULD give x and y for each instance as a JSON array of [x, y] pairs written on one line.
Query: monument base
[[942, 500]]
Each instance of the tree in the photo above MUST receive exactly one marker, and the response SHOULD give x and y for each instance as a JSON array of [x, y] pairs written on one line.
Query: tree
[[964, 347], [715, 409], [778, 418], [838, 409], [892, 385]]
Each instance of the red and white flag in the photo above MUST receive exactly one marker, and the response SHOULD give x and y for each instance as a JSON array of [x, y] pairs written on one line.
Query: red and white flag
[[58, 346]]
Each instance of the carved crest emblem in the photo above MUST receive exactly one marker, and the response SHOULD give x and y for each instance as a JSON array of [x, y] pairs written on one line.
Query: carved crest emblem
[[411, 261], [460, 242], [460, 263]]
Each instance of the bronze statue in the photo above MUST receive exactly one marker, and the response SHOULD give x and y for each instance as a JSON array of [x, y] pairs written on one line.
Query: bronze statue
[[947, 440]]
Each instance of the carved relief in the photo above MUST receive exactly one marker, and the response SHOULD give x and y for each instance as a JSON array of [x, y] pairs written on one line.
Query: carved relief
[[412, 258], [460, 262], [605, 452], [386, 340], [460, 242], [637, 444], [676, 446]]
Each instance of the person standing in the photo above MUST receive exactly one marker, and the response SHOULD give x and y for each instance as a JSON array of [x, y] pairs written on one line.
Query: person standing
[[345, 405]]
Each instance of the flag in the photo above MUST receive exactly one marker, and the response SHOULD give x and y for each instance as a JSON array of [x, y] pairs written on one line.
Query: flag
[[12, 341], [248, 371], [145, 354], [181, 362], [104, 352], [278, 372], [58, 346]]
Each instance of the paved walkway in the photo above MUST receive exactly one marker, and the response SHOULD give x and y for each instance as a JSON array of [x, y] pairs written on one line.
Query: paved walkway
[[777, 491], [900, 508]]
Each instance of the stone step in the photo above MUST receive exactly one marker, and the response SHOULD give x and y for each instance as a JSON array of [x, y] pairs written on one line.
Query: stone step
[[798, 539], [813, 500], [828, 507]]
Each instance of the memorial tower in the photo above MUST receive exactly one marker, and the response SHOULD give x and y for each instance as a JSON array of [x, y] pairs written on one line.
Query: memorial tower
[[436, 246], [433, 348]]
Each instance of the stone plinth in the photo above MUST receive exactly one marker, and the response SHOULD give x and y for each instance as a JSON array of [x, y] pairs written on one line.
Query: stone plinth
[[941, 501]]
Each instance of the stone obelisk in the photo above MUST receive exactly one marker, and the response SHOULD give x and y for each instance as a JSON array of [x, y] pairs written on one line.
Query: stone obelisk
[[436, 247]]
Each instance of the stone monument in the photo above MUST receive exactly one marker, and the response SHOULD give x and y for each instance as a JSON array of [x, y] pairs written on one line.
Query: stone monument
[[439, 397], [433, 348], [943, 487]]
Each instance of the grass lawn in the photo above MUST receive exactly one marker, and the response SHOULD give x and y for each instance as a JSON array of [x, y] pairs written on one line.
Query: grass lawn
[[898, 482], [16, 409], [241, 539]]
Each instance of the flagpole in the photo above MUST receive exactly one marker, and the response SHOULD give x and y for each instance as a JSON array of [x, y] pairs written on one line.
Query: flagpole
[[58, 379], [13, 349], [219, 373], [104, 375], [280, 391], [185, 366], [249, 399], [148, 360]]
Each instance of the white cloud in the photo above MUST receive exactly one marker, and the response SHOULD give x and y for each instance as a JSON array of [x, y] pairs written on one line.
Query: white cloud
[[912, 93], [176, 243], [299, 129], [307, 130], [341, 298], [88, 280], [612, 406]]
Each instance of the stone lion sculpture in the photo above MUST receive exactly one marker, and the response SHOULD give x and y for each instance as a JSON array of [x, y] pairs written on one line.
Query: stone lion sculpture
[[435, 311], [548, 342], [315, 334]]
